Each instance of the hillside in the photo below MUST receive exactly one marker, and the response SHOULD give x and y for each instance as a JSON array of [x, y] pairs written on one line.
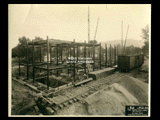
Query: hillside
[[136, 43]]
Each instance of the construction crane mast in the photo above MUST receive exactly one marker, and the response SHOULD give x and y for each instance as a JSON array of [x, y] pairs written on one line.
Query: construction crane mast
[[126, 39], [96, 29]]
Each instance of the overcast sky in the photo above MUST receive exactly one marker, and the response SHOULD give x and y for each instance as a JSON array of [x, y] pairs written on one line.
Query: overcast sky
[[68, 22]]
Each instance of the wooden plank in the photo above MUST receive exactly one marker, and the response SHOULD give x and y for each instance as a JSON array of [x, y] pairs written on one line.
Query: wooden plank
[[101, 73], [84, 81], [20, 81], [40, 77], [32, 87]]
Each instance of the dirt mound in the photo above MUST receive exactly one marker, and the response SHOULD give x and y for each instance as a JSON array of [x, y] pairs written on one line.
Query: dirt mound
[[112, 100], [137, 88]]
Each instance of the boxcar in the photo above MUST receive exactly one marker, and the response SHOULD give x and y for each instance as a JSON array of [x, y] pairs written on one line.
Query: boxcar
[[128, 62]]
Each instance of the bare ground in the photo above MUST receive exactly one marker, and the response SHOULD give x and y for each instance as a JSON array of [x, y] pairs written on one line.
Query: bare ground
[[22, 102], [106, 102]]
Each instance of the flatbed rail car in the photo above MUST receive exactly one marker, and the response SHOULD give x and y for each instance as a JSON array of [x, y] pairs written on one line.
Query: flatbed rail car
[[128, 62]]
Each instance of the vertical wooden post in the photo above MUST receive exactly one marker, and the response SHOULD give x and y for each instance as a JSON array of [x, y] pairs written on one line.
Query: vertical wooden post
[[114, 55], [19, 60], [67, 58], [27, 62], [85, 57], [61, 53], [68, 53], [88, 51], [77, 58], [106, 54], [50, 54], [57, 54], [33, 60], [70, 56], [47, 63], [93, 57], [110, 55], [40, 56], [40, 59], [100, 56], [74, 61]]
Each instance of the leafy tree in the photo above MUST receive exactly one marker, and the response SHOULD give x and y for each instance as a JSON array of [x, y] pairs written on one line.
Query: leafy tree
[[145, 37], [20, 48], [38, 38]]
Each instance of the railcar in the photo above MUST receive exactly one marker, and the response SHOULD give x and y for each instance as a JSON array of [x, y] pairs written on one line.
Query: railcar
[[128, 62]]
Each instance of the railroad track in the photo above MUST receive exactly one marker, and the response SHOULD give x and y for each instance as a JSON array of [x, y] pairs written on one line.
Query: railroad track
[[58, 100]]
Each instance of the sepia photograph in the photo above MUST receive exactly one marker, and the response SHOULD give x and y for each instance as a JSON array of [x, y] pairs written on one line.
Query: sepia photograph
[[79, 60]]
